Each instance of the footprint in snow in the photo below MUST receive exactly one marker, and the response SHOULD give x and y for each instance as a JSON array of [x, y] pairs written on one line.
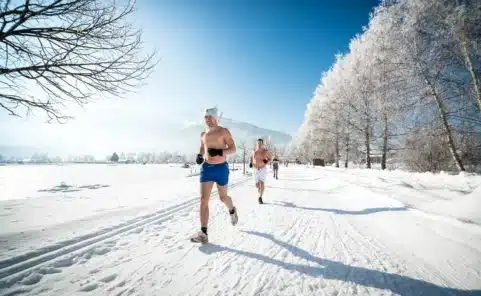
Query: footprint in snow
[[96, 251], [32, 279], [67, 262], [49, 270], [139, 230], [109, 278], [110, 243], [94, 271], [89, 288]]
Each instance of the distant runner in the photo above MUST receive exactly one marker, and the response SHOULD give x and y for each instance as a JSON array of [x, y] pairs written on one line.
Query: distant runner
[[218, 143], [259, 159], [275, 167]]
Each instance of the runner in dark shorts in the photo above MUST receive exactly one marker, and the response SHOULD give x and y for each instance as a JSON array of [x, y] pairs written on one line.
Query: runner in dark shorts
[[275, 167]]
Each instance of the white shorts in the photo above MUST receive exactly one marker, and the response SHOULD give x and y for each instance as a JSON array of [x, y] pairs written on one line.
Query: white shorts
[[260, 174]]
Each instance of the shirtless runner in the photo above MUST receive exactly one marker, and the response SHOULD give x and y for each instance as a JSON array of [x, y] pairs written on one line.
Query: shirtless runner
[[259, 159], [218, 143]]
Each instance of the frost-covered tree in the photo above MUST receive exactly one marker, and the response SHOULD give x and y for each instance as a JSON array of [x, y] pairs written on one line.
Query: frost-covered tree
[[413, 74]]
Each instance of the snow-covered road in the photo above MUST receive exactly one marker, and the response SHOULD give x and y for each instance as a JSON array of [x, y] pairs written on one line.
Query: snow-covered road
[[320, 232]]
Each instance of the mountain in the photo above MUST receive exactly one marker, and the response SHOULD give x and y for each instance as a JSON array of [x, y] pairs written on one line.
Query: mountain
[[241, 131], [175, 138]]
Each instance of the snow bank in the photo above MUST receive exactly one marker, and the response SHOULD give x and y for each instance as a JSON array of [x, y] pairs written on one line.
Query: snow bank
[[456, 196], [466, 208]]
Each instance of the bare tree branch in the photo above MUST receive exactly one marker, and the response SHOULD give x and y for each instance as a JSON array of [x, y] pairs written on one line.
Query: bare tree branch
[[73, 50]]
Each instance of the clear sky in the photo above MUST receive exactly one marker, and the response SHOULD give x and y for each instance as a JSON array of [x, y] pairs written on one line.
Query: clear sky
[[258, 60]]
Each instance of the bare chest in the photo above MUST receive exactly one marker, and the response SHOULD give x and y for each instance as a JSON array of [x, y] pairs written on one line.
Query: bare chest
[[259, 155], [213, 139]]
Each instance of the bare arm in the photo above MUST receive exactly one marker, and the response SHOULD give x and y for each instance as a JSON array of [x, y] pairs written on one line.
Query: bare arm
[[201, 150], [229, 143], [268, 156]]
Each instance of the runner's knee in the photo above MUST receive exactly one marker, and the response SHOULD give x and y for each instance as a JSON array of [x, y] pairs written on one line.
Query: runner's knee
[[204, 199], [223, 197]]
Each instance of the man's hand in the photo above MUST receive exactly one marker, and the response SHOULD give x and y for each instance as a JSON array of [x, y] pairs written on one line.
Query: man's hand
[[267, 157]]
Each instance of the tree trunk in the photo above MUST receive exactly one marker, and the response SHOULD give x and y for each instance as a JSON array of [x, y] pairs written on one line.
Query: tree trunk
[[348, 138], [469, 66], [346, 161], [368, 143], [337, 150], [244, 160], [384, 143], [447, 129]]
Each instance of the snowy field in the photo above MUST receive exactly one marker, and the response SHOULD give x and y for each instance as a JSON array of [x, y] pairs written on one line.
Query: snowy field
[[123, 230]]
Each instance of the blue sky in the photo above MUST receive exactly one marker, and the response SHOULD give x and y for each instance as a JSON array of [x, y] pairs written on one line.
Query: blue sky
[[258, 60]]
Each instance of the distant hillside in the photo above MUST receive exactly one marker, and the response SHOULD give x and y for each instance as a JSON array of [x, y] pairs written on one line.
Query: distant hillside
[[241, 131], [174, 139]]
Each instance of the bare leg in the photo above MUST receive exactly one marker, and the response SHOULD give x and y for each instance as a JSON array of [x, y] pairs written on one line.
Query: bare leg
[[227, 200], [224, 197], [205, 190], [261, 188]]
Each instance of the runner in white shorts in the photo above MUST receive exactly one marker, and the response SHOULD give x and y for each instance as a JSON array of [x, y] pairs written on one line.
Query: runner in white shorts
[[259, 159]]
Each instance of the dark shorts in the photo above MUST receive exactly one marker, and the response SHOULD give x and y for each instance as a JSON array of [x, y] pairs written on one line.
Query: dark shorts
[[218, 173]]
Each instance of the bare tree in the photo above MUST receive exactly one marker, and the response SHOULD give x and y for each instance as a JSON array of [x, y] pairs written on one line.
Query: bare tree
[[58, 51], [242, 147], [464, 23]]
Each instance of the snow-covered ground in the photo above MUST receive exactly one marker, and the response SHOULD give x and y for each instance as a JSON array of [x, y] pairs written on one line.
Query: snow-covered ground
[[123, 230]]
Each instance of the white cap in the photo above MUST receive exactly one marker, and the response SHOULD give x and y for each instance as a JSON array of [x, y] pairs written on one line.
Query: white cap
[[211, 112], [214, 112]]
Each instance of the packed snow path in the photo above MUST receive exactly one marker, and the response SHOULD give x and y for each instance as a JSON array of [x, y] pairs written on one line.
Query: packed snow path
[[320, 232]]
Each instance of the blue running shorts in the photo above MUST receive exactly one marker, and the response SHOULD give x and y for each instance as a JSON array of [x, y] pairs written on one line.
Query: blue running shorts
[[218, 173]]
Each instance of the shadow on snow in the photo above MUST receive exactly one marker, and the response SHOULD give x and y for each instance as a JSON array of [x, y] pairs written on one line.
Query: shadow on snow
[[328, 269], [339, 211]]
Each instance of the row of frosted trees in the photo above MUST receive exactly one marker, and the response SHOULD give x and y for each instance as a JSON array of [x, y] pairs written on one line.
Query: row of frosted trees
[[408, 91]]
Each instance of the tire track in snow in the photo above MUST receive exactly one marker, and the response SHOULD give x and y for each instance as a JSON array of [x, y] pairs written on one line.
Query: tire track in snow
[[225, 259], [419, 264], [371, 251], [177, 259], [263, 280], [14, 270], [319, 284], [348, 254], [386, 262]]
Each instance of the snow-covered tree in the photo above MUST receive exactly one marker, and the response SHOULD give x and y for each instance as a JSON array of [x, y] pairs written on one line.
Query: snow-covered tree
[[413, 71]]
